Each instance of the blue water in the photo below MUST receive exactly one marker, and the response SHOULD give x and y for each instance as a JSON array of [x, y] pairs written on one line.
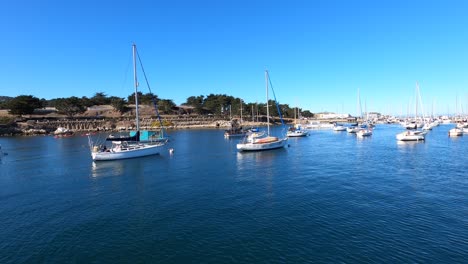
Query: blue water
[[328, 198]]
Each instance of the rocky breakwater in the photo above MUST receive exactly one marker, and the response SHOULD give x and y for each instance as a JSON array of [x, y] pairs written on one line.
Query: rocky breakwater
[[48, 126], [194, 122]]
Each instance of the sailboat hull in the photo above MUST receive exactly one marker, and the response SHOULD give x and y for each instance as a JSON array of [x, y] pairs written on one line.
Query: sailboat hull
[[297, 133], [136, 151], [411, 136], [262, 146]]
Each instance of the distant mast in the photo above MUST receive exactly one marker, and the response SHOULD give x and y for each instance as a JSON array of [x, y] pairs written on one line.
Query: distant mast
[[416, 106], [360, 107], [241, 110], [268, 111], [136, 87], [253, 116]]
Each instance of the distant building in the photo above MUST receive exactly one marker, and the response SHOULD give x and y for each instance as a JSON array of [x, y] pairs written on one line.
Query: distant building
[[372, 115], [328, 115]]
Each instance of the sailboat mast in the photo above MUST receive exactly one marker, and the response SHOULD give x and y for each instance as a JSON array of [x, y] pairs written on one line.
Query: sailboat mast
[[416, 105], [295, 115], [253, 116], [268, 111], [241, 110], [136, 87], [359, 104], [421, 102]]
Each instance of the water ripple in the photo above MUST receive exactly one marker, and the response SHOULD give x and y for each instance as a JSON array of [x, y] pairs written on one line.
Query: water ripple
[[328, 198]]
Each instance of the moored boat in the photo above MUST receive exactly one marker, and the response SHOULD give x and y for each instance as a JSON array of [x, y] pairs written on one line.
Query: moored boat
[[62, 132], [338, 127], [256, 141], [353, 129], [297, 131], [134, 145], [235, 131], [411, 135], [455, 132], [365, 132]]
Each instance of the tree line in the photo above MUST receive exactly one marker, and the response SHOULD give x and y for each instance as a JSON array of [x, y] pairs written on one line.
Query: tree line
[[221, 105]]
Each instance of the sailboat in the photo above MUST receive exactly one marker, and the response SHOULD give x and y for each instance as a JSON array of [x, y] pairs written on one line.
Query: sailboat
[[137, 144], [297, 130], [413, 135], [236, 129], [366, 130], [256, 141], [459, 128], [455, 132]]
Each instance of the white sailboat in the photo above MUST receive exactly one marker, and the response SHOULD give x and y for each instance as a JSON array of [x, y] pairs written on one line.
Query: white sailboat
[[455, 132], [413, 135], [262, 140], [338, 127], [366, 130], [458, 130], [131, 146], [353, 129], [297, 130]]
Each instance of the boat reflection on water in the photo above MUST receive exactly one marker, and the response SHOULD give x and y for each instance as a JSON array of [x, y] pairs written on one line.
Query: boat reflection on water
[[363, 138], [258, 159], [106, 169], [259, 168], [409, 144]]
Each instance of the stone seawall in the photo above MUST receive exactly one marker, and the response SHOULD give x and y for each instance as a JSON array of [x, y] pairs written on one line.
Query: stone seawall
[[48, 126]]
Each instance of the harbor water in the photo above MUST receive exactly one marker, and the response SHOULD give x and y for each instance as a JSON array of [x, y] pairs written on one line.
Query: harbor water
[[327, 198]]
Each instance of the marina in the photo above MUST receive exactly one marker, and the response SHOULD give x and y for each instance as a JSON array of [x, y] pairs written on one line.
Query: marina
[[329, 197], [276, 132]]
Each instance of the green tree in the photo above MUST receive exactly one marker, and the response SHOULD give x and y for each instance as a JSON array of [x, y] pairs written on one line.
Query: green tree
[[118, 104], [196, 102], [100, 99], [165, 106], [143, 99], [249, 110], [214, 104], [221, 104], [87, 102], [70, 106], [307, 113], [23, 105], [44, 102], [4, 100]]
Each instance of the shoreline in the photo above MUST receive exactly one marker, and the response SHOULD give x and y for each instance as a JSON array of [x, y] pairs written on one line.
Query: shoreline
[[47, 127], [101, 121], [44, 126]]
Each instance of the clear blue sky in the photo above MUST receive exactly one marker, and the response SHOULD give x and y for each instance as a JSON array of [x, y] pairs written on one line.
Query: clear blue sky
[[318, 53]]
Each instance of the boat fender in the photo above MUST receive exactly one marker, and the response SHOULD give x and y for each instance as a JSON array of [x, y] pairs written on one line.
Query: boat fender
[[171, 151]]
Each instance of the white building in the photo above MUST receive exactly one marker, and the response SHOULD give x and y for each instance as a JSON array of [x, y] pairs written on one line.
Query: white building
[[327, 115]]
